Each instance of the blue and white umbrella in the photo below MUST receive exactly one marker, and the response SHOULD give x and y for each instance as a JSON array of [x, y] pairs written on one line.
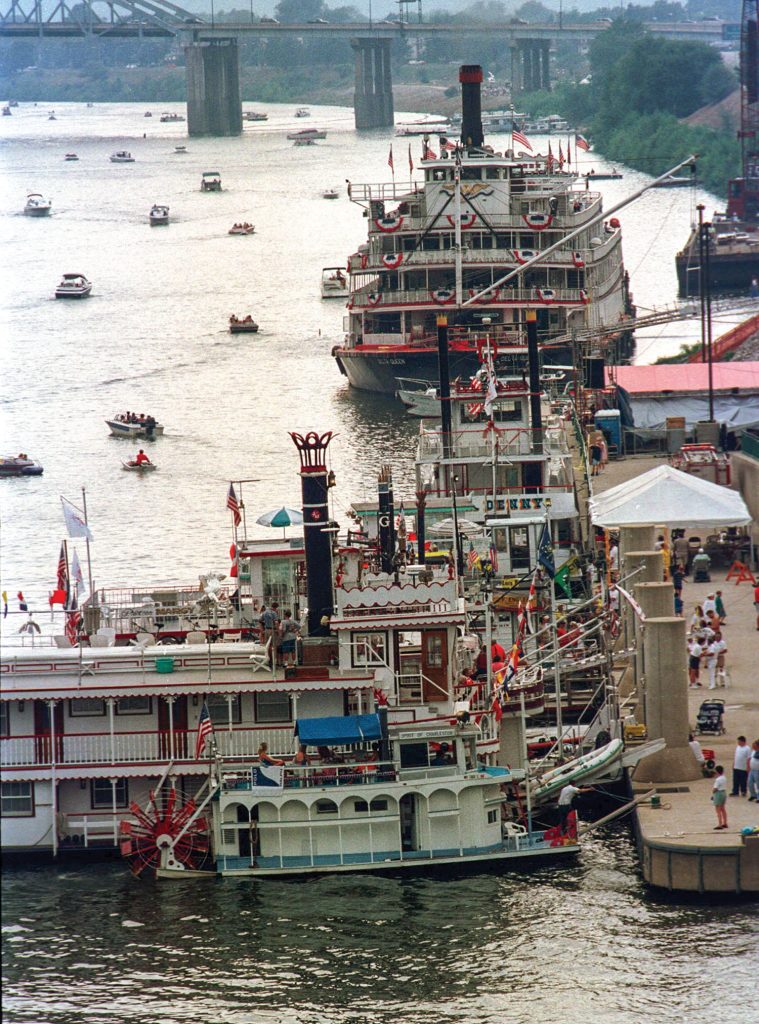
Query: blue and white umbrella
[[283, 517]]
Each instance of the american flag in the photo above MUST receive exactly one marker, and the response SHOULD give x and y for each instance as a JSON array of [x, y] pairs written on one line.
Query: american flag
[[233, 505], [494, 557], [428, 154], [205, 729], [472, 558], [522, 139], [447, 146], [581, 143], [63, 571], [73, 621], [474, 409], [390, 160], [410, 160]]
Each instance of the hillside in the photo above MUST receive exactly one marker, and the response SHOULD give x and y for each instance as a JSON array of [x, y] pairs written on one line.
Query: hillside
[[722, 116]]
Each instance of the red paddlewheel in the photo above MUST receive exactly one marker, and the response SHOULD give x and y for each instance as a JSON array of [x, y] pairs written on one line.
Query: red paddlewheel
[[155, 828]]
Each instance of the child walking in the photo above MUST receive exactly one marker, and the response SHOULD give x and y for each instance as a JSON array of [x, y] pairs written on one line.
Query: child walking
[[719, 798]]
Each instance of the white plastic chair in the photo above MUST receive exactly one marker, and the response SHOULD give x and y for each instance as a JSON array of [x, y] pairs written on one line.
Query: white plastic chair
[[62, 641], [511, 830], [197, 636], [145, 639], [108, 633], [260, 656], [97, 640]]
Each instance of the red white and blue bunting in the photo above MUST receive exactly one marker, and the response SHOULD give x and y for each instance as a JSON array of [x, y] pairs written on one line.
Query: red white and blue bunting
[[546, 295], [577, 259], [522, 255], [490, 297], [373, 298], [389, 223], [538, 221], [467, 220], [443, 296], [392, 260], [584, 297]]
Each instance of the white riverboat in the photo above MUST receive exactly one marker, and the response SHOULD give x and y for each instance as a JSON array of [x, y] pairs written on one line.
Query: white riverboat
[[122, 156], [484, 238]]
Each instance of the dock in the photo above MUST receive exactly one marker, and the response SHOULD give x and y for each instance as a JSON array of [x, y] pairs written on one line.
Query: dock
[[679, 849]]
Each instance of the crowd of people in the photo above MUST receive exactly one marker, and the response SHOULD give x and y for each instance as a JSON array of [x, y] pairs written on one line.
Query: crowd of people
[[281, 632]]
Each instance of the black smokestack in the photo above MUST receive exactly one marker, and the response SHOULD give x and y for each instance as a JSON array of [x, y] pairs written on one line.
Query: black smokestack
[[470, 76], [318, 541], [386, 519]]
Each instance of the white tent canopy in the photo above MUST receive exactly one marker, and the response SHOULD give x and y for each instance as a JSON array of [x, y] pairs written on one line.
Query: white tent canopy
[[668, 497]]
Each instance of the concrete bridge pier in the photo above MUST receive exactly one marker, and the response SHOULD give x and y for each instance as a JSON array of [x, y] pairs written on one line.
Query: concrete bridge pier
[[530, 66], [213, 88], [373, 96]]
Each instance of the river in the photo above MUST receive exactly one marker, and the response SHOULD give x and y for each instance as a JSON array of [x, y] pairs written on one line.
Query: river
[[94, 945]]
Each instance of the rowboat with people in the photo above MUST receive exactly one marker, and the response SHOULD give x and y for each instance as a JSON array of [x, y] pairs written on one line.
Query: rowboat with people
[[242, 229], [242, 325]]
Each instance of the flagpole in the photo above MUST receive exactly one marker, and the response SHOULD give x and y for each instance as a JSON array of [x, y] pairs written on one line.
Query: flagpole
[[93, 595], [526, 762], [555, 635]]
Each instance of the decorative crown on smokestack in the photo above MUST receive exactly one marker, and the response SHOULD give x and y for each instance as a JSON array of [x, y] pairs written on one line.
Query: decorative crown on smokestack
[[470, 76], [313, 450]]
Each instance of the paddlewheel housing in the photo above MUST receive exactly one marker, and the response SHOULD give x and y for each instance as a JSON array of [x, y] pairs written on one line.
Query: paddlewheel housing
[[168, 836]]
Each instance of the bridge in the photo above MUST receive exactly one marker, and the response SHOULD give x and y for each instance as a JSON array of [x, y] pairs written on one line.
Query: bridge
[[211, 50]]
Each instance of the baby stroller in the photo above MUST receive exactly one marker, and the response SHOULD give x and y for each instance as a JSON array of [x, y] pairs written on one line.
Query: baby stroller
[[709, 717]]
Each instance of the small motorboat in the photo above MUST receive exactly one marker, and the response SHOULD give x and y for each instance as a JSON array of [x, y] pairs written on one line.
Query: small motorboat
[[330, 193], [122, 156], [70, 156], [242, 229], [251, 115], [89, 104], [244, 325], [307, 133], [159, 215], [334, 283], [12, 103], [210, 181], [147, 114], [167, 118], [139, 467], [128, 424], [602, 175], [7, 111], [73, 286], [37, 205], [180, 149], [303, 112], [19, 465], [51, 116]]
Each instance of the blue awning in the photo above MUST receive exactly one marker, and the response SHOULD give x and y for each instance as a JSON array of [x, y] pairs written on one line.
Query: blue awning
[[338, 731]]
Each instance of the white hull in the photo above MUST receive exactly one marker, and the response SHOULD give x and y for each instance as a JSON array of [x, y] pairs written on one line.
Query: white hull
[[119, 429]]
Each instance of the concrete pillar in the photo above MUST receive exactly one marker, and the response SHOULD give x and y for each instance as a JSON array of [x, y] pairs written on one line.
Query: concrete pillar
[[373, 95], [667, 703], [656, 601], [516, 70], [647, 568], [212, 71], [545, 77], [636, 538]]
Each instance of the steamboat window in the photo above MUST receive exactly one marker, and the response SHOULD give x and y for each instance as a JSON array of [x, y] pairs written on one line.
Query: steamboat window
[[16, 800], [409, 243], [104, 796], [492, 817], [492, 173], [87, 707], [5, 718], [362, 807], [134, 706], [471, 173], [520, 547], [326, 807], [273, 707], [220, 711], [369, 649], [431, 242], [276, 577]]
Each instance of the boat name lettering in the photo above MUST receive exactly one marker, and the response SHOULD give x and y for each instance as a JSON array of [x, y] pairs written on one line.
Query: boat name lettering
[[514, 504], [422, 734]]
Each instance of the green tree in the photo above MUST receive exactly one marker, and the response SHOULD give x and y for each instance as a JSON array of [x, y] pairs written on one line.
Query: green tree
[[299, 11]]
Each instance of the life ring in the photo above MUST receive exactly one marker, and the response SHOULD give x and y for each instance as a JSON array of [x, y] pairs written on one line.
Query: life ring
[[389, 224]]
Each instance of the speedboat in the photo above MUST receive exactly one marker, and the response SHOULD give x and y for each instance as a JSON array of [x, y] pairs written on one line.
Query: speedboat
[[73, 286], [251, 115], [246, 325], [147, 114], [330, 193], [37, 205], [170, 118], [51, 116], [123, 425], [242, 229], [139, 467], [71, 156], [303, 112], [334, 283], [210, 181], [7, 111], [19, 465], [122, 156], [180, 149], [159, 215], [307, 133]]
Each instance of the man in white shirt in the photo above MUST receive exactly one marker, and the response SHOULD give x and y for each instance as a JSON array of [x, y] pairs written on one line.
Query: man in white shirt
[[566, 801], [709, 606], [695, 650], [614, 557], [740, 767], [712, 654]]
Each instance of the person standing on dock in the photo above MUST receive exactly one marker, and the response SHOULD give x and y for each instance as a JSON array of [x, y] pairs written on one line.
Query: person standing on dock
[[753, 772], [719, 798], [740, 767]]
